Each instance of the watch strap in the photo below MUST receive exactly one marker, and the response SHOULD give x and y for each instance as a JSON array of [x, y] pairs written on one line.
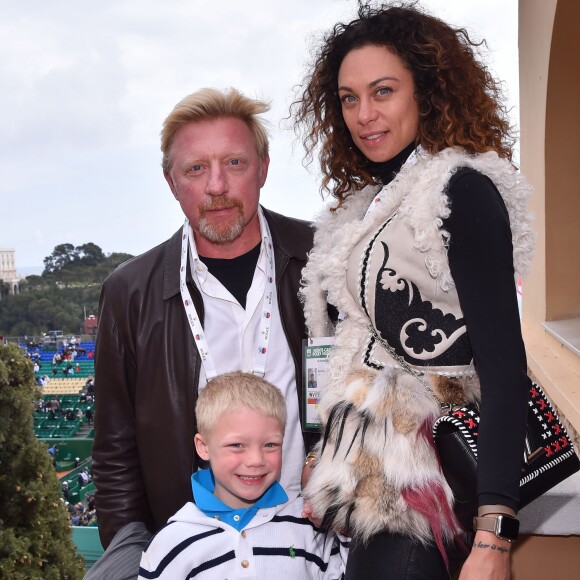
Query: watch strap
[[494, 524]]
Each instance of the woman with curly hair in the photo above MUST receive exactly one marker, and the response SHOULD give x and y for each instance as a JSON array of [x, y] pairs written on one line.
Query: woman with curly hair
[[418, 253]]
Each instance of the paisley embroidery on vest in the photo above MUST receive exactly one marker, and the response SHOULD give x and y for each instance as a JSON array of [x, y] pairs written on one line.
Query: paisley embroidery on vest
[[418, 332]]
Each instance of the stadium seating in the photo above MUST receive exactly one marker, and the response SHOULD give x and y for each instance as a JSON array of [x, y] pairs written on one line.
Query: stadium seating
[[60, 383], [60, 386]]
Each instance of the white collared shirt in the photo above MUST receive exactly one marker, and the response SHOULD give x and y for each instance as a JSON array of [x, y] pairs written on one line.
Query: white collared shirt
[[232, 336]]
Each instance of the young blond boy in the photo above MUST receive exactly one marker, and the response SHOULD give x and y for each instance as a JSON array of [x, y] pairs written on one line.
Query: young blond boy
[[242, 524]]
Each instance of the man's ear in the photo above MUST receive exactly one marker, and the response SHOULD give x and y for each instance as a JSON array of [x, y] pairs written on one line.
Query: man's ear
[[264, 165], [170, 183], [201, 446]]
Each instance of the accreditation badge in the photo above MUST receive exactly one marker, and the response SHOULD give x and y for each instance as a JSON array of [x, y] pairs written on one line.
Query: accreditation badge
[[315, 365]]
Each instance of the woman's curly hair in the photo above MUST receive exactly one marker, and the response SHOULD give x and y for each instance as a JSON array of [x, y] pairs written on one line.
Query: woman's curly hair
[[459, 101]]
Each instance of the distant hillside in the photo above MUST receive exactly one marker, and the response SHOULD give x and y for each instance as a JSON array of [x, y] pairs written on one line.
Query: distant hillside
[[58, 298]]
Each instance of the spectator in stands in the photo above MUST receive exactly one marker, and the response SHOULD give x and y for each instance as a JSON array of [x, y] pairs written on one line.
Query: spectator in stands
[[52, 451], [77, 368], [54, 370], [89, 517], [90, 386], [81, 515], [76, 518], [89, 416], [57, 359], [237, 257], [83, 478], [66, 490], [55, 403]]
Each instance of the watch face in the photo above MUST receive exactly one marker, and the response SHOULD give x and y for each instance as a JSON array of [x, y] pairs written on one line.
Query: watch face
[[508, 528]]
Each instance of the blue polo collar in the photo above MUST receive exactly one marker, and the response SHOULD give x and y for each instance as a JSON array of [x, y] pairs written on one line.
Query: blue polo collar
[[203, 486]]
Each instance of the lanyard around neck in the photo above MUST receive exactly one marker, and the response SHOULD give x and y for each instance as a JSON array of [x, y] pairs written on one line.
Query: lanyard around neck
[[260, 353]]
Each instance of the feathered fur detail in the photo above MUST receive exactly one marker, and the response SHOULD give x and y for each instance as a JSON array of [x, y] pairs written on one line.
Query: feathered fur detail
[[373, 451]]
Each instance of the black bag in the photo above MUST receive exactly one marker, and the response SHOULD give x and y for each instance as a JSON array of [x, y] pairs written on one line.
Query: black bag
[[549, 456]]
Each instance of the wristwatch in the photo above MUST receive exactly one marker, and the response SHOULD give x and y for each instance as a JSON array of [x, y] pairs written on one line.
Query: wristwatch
[[504, 527]]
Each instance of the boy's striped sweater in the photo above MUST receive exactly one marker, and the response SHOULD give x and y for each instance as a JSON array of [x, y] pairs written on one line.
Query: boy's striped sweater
[[277, 543]]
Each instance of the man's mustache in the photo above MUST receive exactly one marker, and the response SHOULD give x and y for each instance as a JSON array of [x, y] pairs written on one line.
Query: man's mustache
[[220, 203]]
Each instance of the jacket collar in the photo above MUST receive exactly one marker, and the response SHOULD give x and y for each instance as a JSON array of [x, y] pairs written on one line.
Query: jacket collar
[[293, 246], [172, 266]]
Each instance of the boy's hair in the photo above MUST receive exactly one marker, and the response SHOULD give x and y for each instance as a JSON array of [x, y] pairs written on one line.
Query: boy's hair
[[210, 104], [237, 390]]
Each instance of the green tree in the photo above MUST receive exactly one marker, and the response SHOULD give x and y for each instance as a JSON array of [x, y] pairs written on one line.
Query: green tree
[[34, 282], [62, 256], [3, 289], [41, 311], [90, 254], [35, 536]]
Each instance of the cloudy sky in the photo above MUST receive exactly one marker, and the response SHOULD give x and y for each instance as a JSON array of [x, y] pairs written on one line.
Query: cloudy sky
[[86, 85]]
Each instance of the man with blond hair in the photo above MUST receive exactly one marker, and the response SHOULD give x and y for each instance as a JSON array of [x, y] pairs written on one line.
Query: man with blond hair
[[218, 296]]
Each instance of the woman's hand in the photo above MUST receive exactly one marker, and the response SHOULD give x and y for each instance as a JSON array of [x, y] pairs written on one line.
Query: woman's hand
[[306, 473], [489, 559], [309, 515]]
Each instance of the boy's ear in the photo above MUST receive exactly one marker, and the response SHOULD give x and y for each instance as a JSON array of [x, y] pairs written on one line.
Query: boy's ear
[[201, 446]]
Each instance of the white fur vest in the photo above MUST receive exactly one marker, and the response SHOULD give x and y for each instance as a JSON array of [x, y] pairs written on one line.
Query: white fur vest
[[377, 469]]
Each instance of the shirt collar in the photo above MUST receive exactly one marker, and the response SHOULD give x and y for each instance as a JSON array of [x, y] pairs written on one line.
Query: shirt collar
[[203, 485]]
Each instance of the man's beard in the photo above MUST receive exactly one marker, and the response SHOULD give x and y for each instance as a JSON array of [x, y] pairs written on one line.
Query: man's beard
[[224, 232]]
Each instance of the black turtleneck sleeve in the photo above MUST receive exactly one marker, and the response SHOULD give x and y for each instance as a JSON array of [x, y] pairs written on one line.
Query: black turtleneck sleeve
[[481, 263]]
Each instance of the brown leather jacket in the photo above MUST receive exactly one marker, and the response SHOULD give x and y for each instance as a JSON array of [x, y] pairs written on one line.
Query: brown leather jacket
[[146, 376]]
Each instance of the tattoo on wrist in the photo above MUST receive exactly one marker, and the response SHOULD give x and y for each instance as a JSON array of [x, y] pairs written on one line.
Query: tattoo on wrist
[[495, 547]]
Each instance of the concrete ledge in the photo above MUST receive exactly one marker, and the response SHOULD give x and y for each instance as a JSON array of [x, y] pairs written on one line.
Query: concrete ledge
[[557, 369], [566, 331]]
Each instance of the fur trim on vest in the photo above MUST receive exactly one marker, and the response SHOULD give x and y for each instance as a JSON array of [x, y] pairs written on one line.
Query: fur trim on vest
[[378, 469]]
